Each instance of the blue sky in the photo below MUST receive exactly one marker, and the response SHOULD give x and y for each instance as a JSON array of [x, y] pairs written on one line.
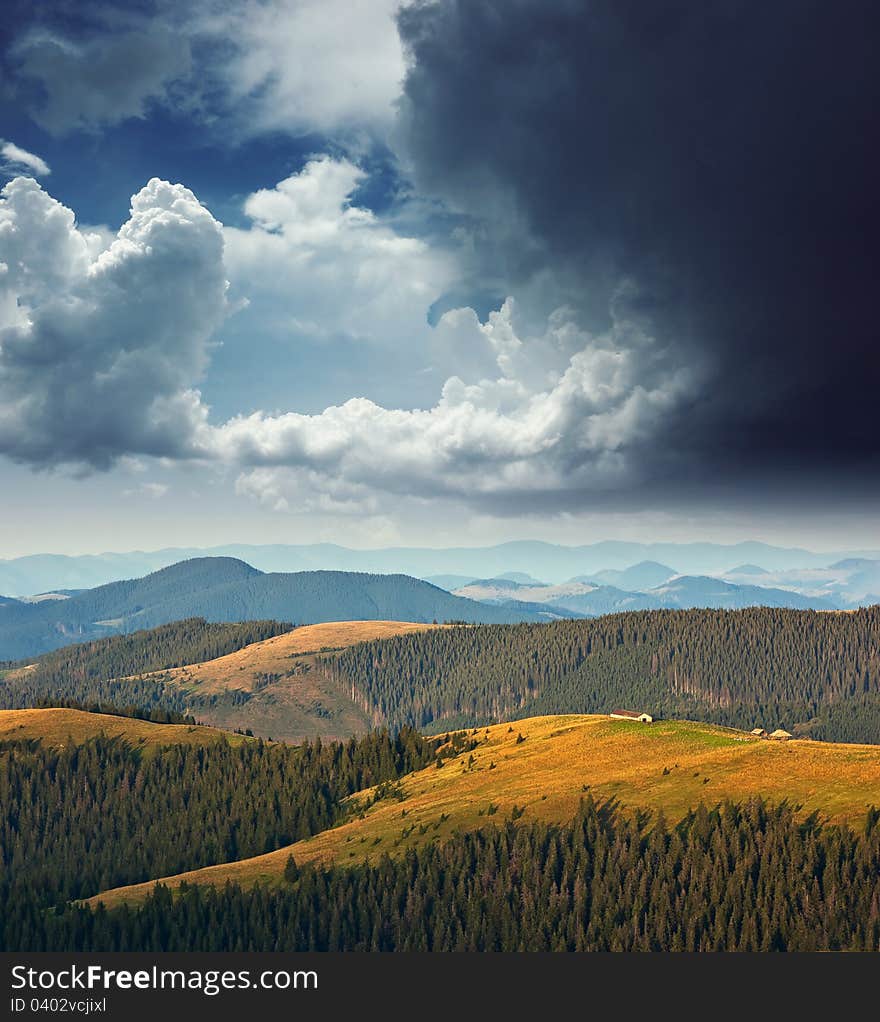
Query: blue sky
[[289, 270]]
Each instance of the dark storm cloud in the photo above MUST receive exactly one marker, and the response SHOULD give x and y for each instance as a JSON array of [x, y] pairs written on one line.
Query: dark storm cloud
[[99, 81], [723, 155]]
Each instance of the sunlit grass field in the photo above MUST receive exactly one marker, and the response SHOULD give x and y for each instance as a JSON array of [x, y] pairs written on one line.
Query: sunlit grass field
[[540, 768], [303, 701], [58, 727], [240, 669]]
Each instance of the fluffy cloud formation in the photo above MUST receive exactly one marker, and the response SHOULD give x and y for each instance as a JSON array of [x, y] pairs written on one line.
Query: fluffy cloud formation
[[99, 350], [15, 160], [321, 267], [536, 429], [298, 66], [304, 491], [307, 65], [102, 79]]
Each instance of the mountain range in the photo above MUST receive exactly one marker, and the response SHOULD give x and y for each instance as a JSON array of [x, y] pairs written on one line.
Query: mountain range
[[591, 599], [644, 575], [553, 563], [649, 585], [848, 582], [226, 589]]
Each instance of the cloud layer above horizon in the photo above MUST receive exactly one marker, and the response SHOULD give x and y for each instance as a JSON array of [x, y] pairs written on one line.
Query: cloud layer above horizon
[[512, 257], [103, 348]]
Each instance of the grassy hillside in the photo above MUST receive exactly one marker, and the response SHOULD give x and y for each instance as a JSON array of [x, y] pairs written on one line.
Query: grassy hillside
[[244, 668], [55, 727], [281, 688], [278, 687], [671, 766], [815, 674], [170, 645], [86, 673]]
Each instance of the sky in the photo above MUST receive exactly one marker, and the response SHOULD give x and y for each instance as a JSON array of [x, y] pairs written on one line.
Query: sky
[[438, 273]]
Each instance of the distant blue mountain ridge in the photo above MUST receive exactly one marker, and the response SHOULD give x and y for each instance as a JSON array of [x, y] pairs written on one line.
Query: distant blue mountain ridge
[[227, 589], [553, 563]]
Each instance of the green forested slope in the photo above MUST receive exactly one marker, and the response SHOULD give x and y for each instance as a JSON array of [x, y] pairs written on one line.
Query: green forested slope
[[79, 818], [100, 672], [748, 878], [814, 673], [774, 667]]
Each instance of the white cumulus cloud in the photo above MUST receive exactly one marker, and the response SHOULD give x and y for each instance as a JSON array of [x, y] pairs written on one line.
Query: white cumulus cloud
[[15, 160], [331, 66], [100, 350], [314, 263], [299, 66], [522, 432]]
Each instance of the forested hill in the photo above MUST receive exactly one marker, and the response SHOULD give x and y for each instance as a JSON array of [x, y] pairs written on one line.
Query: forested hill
[[733, 878], [107, 672], [813, 673], [225, 589], [80, 817], [173, 645]]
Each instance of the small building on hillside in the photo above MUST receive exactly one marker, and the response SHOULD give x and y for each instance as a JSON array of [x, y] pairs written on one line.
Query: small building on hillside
[[759, 732], [780, 735], [642, 718]]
